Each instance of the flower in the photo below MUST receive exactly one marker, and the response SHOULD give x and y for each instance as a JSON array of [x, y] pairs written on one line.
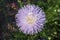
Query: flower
[[30, 19]]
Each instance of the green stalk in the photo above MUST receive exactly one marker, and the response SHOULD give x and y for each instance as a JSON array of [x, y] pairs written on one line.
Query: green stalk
[[28, 1], [20, 2]]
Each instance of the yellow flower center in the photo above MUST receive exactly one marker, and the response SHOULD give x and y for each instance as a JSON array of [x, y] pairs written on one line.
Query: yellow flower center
[[30, 19]]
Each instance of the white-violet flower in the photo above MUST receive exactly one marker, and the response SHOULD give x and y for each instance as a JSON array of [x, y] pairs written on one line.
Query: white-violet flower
[[30, 19]]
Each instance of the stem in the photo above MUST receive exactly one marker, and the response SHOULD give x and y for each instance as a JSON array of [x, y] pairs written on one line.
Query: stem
[[28, 1], [20, 2], [28, 38]]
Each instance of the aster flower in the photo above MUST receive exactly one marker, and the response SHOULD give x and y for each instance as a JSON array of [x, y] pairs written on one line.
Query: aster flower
[[30, 19]]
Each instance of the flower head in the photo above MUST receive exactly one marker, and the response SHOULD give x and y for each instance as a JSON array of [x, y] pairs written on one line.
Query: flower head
[[30, 19]]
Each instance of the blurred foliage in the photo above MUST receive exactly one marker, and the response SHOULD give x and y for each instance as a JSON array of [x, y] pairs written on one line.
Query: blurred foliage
[[9, 30]]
